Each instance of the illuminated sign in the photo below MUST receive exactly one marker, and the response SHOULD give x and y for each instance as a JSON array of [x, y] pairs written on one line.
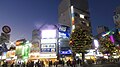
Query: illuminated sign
[[48, 40], [11, 53], [112, 38], [48, 33], [52, 45], [48, 50], [48, 55], [34, 55], [82, 16], [66, 52], [20, 42], [73, 20], [63, 28], [64, 31]]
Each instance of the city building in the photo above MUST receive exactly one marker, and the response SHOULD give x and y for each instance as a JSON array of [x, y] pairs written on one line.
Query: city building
[[73, 13], [102, 29], [63, 41], [35, 48], [35, 34], [116, 17], [4, 38], [48, 43], [5, 35]]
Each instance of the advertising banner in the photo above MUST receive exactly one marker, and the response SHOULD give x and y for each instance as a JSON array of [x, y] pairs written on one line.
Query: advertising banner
[[10, 54], [18, 51], [48, 47]]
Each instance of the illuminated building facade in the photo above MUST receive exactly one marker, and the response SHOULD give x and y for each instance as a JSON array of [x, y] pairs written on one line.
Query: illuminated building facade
[[74, 12], [22, 49], [48, 43], [63, 41]]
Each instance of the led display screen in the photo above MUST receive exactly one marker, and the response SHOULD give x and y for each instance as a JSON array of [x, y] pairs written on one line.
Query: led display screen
[[48, 34]]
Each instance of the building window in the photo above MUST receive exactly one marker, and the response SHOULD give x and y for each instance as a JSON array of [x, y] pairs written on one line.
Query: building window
[[82, 16], [76, 14]]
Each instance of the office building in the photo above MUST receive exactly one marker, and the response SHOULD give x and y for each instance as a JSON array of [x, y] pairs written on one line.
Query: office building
[[116, 17], [102, 29], [74, 12]]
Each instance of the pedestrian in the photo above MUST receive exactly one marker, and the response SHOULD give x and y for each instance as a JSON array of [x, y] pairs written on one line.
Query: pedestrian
[[73, 63], [12, 64], [55, 63], [5, 64], [68, 63], [63, 63], [50, 63]]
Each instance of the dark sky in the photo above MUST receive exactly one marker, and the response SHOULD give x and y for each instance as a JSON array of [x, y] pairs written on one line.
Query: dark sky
[[25, 15]]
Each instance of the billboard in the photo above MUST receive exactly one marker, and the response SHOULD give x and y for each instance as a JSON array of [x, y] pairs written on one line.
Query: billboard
[[48, 40], [48, 47], [22, 51], [20, 42], [64, 31], [19, 51], [48, 34]]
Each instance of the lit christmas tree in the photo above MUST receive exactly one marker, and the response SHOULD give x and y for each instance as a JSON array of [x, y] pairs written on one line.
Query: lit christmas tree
[[107, 46], [80, 41]]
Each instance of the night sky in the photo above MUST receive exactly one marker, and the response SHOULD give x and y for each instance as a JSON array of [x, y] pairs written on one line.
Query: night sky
[[25, 15]]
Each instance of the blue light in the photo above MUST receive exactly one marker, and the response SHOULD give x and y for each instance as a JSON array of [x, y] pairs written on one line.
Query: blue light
[[66, 52]]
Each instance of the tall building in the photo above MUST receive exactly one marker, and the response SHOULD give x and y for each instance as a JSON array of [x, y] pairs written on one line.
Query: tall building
[[116, 17], [4, 38], [36, 38], [35, 48], [74, 12], [101, 29], [35, 34]]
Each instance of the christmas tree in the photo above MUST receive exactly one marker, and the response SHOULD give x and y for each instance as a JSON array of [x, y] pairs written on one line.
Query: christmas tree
[[80, 41]]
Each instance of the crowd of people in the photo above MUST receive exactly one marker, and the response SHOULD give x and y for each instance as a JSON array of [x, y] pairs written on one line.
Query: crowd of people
[[59, 63]]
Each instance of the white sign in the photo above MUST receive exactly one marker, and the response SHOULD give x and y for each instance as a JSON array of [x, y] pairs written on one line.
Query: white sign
[[48, 40], [48, 56], [48, 33]]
